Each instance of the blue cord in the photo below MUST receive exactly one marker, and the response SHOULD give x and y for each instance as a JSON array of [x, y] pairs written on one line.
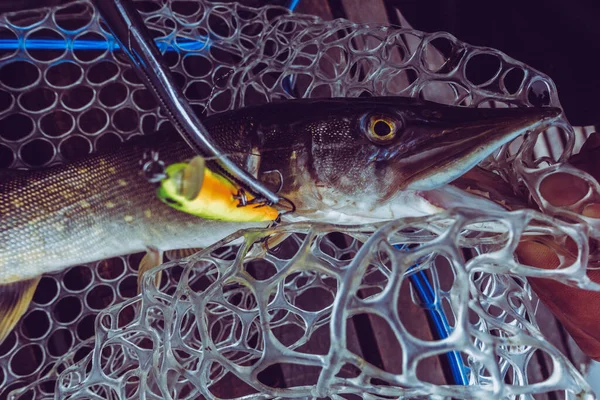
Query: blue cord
[[292, 4], [201, 43], [441, 327], [86, 44], [419, 280]]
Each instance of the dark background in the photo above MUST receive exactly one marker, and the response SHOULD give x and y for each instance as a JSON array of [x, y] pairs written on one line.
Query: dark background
[[558, 37]]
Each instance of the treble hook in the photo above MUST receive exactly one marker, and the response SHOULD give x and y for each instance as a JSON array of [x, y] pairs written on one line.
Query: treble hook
[[242, 197], [153, 168]]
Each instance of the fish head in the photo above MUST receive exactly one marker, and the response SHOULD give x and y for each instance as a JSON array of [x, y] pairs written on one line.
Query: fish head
[[353, 160], [370, 157]]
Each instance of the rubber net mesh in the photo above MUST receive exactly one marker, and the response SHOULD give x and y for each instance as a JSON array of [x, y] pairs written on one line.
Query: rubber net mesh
[[238, 319]]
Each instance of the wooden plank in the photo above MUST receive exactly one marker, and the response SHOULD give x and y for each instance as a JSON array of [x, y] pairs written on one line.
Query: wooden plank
[[372, 11], [415, 321], [579, 359], [581, 135], [540, 367], [319, 8]]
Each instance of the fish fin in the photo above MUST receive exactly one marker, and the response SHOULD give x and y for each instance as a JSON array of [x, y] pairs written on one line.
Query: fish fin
[[591, 143], [181, 253], [153, 258], [587, 156], [14, 301], [276, 239]]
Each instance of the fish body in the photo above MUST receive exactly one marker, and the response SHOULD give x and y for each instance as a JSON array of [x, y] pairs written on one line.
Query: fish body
[[92, 209], [336, 160]]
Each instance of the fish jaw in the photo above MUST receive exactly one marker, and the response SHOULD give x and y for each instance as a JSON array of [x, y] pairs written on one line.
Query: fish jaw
[[450, 197], [330, 156], [446, 149], [405, 204]]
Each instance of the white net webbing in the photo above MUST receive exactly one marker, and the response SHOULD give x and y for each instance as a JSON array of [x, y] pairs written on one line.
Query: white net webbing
[[240, 320]]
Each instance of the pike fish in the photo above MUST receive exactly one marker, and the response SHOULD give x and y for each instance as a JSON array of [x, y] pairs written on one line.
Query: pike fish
[[337, 160]]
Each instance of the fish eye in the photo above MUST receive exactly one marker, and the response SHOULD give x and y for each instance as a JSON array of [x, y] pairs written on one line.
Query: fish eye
[[172, 202], [381, 129]]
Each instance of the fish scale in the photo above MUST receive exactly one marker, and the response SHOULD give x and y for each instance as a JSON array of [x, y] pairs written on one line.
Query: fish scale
[[82, 212]]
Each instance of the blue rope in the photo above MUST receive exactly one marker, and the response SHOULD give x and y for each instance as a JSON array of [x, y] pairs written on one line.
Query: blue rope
[[201, 43], [57, 44], [441, 328], [292, 4]]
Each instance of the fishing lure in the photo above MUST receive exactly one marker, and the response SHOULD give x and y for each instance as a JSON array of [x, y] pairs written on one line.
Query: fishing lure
[[195, 189]]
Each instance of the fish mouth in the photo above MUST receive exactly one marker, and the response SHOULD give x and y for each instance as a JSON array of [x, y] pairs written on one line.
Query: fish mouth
[[454, 140]]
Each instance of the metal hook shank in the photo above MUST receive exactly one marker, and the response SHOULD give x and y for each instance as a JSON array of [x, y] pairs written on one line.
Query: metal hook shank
[[129, 30]]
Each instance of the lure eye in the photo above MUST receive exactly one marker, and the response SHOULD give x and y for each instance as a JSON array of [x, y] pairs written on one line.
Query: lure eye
[[171, 202], [189, 180], [381, 129]]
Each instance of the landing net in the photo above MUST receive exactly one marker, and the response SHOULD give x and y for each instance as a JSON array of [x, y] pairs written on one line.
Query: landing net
[[238, 320]]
